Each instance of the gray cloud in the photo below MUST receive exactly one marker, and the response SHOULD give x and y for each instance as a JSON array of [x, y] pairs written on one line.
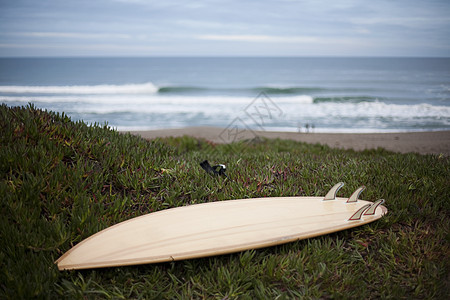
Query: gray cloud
[[305, 27]]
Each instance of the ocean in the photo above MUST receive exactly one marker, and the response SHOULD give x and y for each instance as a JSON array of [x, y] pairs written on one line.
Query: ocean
[[278, 94]]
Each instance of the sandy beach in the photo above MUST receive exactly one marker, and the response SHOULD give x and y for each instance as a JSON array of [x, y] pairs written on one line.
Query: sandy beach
[[434, 142]]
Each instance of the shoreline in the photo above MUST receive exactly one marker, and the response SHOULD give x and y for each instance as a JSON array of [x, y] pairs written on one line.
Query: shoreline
[[424, 142]]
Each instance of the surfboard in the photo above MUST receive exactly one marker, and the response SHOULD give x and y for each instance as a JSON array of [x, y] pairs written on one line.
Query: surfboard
[[221, 227]]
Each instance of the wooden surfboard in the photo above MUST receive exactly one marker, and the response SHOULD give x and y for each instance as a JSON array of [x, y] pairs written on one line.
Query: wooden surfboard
[[217, 228]]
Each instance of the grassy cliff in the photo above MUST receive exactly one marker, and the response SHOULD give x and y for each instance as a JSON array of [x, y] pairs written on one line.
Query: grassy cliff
[[62, 181]]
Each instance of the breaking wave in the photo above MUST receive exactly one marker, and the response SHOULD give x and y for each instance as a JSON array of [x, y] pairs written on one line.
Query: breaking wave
[[146, 88], [150, 88]]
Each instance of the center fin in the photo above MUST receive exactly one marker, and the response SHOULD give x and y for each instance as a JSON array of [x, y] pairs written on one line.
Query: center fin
[[355, 195]]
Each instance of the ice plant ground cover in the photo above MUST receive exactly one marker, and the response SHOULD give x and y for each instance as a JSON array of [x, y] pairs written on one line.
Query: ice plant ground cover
[[61, 181]]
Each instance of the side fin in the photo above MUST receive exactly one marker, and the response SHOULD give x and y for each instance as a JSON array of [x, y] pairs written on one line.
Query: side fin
[[331, 195], [355, 195], [373, 208], [358, 214]]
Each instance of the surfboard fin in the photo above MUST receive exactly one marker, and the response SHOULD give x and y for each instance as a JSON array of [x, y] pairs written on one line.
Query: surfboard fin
[[373, 208], [366, 210], [331, 195], [358, 214], [355, 195]]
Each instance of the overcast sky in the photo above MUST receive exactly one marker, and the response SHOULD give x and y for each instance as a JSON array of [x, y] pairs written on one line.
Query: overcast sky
[[224, 28]]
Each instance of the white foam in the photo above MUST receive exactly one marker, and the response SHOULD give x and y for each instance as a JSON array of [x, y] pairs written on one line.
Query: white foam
[[366, 110], [160, 111], [145, 88], [295, 106], [301, 99], [158, 99]]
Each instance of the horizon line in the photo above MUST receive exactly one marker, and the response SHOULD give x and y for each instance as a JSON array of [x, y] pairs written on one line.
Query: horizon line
[[220, 56]]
